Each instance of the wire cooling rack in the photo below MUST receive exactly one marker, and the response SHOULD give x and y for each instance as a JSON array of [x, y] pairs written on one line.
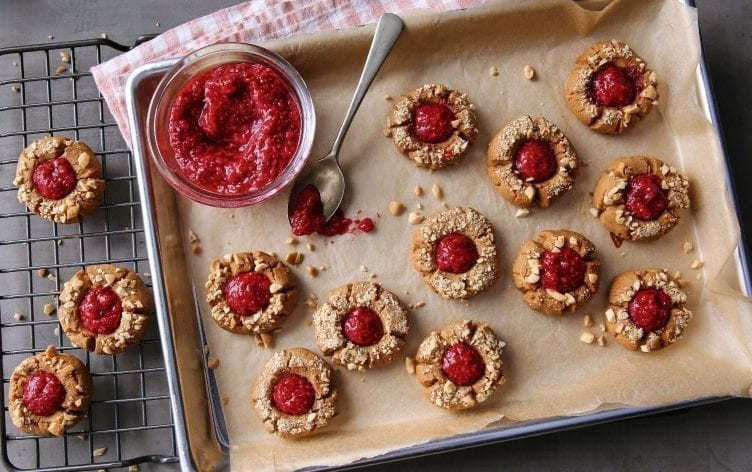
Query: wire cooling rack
[[48, 90]]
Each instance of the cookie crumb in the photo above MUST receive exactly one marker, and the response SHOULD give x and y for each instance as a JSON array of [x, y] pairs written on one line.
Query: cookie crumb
[[15, 89], [601, 341], [48, 309], [387, 97], [521, 213], [418, 190], [42, 272], [310, 247], [687, 247], [99, 451], [437, 192], [312, 271], [587, 321], [410, 365], [419, 206], [696, 264], [587, 337], [414, 218], [396, 208], [493, 71], [18, 317], [212, 362], [529, 72], [291, 241]]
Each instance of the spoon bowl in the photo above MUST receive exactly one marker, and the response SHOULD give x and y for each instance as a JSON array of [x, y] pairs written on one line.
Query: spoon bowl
[[326, 175]]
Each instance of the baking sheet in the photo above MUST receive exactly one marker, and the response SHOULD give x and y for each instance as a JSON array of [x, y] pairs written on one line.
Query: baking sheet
[[549, 371]]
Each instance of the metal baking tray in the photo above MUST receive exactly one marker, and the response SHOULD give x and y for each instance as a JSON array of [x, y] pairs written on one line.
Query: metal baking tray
[[197, 428]]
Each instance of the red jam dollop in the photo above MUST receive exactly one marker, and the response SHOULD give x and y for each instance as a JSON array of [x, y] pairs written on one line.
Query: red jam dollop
[[562, 271], [101, 310], [308, 217], [363, 326], [235, 128], [54, 178], [43, 393], [248, 293], [462, 364], [645, 198], [456, 253], [293, 394], [535, 161], [433, 122], [650, 308], [617, 87]]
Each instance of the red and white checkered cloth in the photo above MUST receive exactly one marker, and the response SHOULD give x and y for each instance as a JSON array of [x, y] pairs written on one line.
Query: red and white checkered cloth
[[250, 22]]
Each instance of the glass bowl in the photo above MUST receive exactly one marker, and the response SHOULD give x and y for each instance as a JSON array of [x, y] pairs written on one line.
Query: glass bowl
[[190, 67]]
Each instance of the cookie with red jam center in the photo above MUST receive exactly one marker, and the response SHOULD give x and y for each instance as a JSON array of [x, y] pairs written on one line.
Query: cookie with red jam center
[[647, 309], [361, 326], [105, 308], [49, 393], [638, 198], [250, 292], [293, 395], [557, 272], [455, 252], [59, 179], [611, 88], [531, 162], [433, 125], [460, 365]]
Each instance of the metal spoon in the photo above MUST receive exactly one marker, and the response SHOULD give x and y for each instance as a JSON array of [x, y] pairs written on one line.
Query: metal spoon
[[325, 173]]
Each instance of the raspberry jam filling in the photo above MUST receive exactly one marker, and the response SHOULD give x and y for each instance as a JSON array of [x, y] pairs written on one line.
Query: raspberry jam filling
[[650, 308], [101, 310], [535, 161], [645, 198], [293, 394], [456, 253], [462, 364], [248, 293], [433, 122], [43, 393], [617, 87], [563, 271], [363, 326], [308, 217], [54, 178]]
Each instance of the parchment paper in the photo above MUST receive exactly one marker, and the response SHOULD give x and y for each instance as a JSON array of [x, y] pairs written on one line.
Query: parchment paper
[[549, 371]]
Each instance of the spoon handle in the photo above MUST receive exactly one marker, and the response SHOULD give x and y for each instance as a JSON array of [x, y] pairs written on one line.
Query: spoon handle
[[387, 31]]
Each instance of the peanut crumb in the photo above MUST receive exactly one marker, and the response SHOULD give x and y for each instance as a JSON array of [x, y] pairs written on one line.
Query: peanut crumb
[[266, 340], [529, 72], [60, 69], [310, 304], [225, 399], [493, 71], [373, 276], [363, 268], [418, 190], [52, 277], [387, 97], [396, 208], [291, 241], [48, 309], [587, 337], [522, 212], [310, 247], [104, 35], [410, 365], [698, 276], [594, 212], [622, 254], [418, 305], [687, 247], [51, 37], [682, 283], [196, 249], [312, 271], [192, 238], [696, 264], [42, 272], [212, 362], [65, 57], [133, 468], [602, 326], [677, 275], [437, 191], [156, 24], [291, 257], [298, 258], [601, 341], [99, 451], [587, 321], [15, 89], [82, 437], [415, 218], [18, 317]]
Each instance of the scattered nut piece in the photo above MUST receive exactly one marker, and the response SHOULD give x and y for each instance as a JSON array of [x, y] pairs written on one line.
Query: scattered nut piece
[[493, 71], [387, 97], [682, 282], [48, 309], [522, 212], [696, 264], [410, 365], [291, 241], [437, 192], [601, 341], [587, 321], [291, 257], [687, 247], [134, 467], [414, 218], [418, 305], [363, 268], [82, 437], [196, 248], [60, 69], [418, 190], [147, 275], [266, 340], [312, 271], [42, 272], [192, 238], [99, 451], [529, 72], [298, 258], [18, 317], [104, 35], [156, 24], [65, 57], [396, 208], [52, 277], [212, 362], [15, 89], [698, 276], [310, 247], [310, 304], [225, 399], [587, 337], [677, 275], [594, 212], [51, 37], [419, 206]]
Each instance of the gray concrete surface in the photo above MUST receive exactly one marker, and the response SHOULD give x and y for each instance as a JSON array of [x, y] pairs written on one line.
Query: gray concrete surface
[[713, 437]]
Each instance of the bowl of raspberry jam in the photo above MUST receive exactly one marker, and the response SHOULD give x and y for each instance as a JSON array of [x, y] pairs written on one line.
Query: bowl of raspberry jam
[[230, 125]]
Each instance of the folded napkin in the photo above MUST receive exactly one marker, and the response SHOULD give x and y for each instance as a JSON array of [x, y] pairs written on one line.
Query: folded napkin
[[250, 22]]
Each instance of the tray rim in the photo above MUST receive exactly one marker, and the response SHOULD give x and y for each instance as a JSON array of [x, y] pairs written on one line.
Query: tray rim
[[500, 433]]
